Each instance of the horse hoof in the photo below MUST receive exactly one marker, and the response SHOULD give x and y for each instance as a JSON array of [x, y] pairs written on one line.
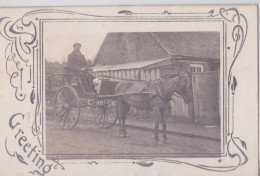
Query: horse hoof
[[126, 135], [165, 138], [121, 135]]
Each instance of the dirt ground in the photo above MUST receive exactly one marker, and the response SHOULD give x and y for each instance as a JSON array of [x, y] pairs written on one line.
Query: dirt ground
[[88, 138]]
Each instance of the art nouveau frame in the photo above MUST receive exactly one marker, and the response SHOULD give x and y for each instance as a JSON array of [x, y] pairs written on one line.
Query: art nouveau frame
[[24, 51]]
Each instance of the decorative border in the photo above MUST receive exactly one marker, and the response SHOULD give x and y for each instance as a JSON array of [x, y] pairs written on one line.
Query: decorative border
[[24, 53]]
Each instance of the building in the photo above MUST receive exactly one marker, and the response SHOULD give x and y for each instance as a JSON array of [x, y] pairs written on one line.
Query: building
[[152, 55]]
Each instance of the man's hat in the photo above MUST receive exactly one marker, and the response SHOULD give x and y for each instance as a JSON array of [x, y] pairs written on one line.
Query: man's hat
[[76, 44]]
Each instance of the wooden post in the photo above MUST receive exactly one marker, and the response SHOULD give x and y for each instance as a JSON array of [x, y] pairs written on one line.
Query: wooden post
[[191, 104]]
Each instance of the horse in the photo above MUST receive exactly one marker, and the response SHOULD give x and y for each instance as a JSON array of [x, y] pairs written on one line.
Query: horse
[[154, 96]]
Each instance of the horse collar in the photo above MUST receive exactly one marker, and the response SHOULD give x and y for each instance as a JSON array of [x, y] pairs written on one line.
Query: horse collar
[[161, 94]]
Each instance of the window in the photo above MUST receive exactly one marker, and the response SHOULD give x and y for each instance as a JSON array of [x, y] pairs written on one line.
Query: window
[[196, 68]]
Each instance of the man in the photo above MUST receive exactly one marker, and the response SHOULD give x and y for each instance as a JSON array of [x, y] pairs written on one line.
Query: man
[[78, 64], [76, 60]]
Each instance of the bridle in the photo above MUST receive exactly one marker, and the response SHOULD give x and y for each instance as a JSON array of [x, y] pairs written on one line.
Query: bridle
[[161, 93], [164, 95], [176, 94]]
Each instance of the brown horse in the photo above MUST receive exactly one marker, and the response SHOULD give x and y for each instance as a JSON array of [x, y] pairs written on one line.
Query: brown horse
[[157, 100]]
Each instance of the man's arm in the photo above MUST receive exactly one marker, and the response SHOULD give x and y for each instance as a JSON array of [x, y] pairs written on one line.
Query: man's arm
[[84, 61]]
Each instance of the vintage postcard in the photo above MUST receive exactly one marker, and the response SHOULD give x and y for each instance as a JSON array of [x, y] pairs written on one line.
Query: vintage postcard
[[129, 90]]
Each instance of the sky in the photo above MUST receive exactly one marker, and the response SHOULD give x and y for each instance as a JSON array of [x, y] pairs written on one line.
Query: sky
[[59, 36], [59, 46]]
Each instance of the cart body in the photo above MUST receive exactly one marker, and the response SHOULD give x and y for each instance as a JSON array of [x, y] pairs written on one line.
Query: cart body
[[73, 96]]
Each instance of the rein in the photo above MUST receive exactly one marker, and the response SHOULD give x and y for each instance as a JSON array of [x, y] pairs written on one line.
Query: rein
[[123, 79], [161, 93]]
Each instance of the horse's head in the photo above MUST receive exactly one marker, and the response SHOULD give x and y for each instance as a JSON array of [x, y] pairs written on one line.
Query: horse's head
[[184, 89], [180, 84]]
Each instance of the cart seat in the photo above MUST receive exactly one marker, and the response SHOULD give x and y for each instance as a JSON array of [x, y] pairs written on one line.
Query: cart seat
[[105, 86]]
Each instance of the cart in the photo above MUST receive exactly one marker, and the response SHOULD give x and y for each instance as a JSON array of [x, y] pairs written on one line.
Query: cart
[[71, 97]]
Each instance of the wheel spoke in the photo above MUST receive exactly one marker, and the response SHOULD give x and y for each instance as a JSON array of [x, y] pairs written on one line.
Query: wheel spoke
[[61, 119], [110, 116], [73, 103], [62, 111], [66, 107], [110, 110], [66, 95], [101, 117], [61, 95], [69, 119], [105, 118], [72, 99], [62, 98], [74, 111], [73, 116], [99, 113], [106, 111], [62, 116], [66, 116]]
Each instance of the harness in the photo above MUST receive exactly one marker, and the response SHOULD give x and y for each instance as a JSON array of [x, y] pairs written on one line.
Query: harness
[[160, 92]]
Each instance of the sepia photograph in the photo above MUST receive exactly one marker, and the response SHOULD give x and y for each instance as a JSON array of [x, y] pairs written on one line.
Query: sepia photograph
[[117, 94]]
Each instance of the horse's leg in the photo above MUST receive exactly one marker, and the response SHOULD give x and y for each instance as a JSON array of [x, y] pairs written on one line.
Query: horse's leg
[[163, 115], [164, 123], [120, 110], [156, 116], [126, 110]]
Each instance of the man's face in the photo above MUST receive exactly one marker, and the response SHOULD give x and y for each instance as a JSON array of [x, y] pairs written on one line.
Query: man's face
[[77, 48]]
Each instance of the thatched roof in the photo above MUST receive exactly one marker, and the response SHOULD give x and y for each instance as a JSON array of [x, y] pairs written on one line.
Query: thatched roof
[[119, 48]]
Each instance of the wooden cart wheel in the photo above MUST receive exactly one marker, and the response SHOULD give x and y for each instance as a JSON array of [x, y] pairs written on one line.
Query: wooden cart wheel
[[105, 113], [67, 107]]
